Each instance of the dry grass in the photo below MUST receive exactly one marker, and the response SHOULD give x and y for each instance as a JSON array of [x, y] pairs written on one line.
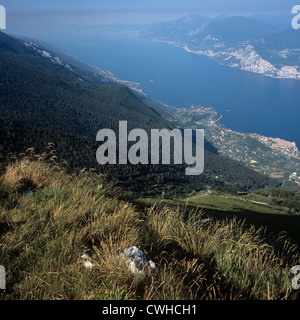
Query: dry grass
[[42, 236]]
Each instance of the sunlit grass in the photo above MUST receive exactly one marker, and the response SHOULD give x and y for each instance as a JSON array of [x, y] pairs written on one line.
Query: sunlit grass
[[44, 233]]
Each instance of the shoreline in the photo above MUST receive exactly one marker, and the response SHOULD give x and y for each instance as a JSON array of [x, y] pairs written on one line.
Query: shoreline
[[210, 54]]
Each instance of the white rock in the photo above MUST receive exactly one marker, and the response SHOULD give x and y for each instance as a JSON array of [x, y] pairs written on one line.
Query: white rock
[[137, 260], [85, 256], [88, 265]]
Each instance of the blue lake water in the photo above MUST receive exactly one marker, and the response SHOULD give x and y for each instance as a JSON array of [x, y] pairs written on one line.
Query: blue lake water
[[169, 74]]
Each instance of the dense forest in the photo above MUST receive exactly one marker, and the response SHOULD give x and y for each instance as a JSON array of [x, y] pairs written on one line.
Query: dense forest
[[42, 102]]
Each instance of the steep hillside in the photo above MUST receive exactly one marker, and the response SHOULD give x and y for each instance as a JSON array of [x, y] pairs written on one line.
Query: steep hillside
[[63, 238], [44, 99]]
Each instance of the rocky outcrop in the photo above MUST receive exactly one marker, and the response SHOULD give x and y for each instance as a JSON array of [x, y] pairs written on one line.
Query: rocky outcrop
[[246, 58], [45, 54], [137, 260]]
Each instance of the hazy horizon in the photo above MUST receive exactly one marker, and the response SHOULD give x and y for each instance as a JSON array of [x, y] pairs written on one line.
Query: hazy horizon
[[38, 18]]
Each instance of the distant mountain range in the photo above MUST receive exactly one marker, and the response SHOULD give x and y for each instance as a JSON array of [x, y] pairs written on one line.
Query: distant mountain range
[[239, 42]]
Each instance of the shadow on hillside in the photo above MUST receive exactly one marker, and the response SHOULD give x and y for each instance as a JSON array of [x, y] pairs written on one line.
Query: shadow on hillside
[[275, 223]]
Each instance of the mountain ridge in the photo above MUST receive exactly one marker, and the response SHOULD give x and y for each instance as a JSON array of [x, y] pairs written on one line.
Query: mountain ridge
[[239, 42]]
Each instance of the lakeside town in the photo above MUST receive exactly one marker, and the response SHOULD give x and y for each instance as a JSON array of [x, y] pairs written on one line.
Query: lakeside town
[[275, 157]]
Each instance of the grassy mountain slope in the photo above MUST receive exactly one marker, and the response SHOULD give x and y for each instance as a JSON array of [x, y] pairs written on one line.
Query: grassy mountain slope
[[50, 214], [258, 209], [44, 233]]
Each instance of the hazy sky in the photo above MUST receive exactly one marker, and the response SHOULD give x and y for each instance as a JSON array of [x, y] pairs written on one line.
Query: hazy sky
[[174, 5], [26, 15]]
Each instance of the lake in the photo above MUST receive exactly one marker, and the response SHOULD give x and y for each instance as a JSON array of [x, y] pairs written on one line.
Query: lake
[[248, 102]]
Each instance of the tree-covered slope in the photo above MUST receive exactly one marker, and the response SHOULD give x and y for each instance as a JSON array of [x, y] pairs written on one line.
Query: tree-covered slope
[[44, 100]]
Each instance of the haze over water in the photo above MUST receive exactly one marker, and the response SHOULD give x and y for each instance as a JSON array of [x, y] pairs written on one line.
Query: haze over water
[[248, 102]]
